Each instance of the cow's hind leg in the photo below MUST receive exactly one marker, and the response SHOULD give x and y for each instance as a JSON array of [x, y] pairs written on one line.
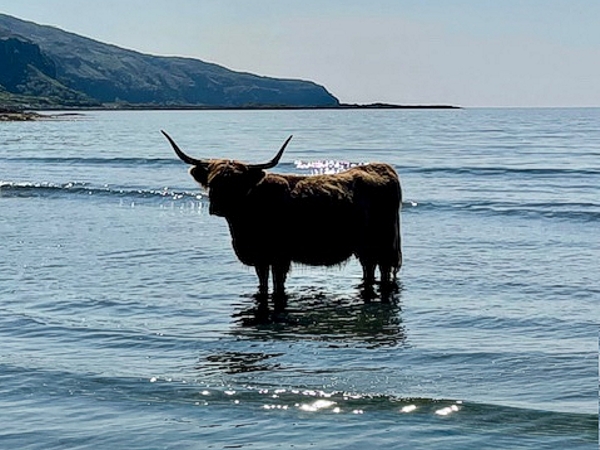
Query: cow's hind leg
[[388, 282], [368, 269], [390, 254], [386, 274], [389, 264]]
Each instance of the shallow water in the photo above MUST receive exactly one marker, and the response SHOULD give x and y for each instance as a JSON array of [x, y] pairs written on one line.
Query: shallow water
[[126, 321]]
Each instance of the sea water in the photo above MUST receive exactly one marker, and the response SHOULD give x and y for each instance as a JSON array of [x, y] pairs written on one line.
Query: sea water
[[127, 322]]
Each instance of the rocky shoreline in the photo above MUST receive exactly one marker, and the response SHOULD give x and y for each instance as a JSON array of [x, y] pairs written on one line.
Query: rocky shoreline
[[10, 115], [7, 115], [18, 116]]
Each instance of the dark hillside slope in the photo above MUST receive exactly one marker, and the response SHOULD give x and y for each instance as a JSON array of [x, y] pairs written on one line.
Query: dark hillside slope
[[110, 74], [30, 76]]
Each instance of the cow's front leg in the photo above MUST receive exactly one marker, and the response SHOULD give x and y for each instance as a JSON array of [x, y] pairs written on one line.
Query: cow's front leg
[[280, 271], [262, 271]]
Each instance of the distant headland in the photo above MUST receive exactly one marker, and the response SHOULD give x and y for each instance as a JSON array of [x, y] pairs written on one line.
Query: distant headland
[[43, 67], [46, 68]]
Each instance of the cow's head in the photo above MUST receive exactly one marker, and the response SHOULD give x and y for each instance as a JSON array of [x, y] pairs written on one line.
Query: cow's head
[[227, 181]]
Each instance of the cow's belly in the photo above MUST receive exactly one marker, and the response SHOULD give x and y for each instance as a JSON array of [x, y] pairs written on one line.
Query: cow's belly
[[322, 256], [316, 242]]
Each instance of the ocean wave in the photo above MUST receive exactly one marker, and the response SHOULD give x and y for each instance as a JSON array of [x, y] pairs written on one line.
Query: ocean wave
[[74, 189], [108, 162], [328, 166], [303, 402], [9, 189], [500, 171], [316, 166], [311, 166], [579, 211]]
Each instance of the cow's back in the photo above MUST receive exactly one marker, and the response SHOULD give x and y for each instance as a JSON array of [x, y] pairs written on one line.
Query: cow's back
[[332, 217]]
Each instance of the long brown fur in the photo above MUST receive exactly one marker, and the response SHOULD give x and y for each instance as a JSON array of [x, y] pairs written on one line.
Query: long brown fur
[[276, 219]]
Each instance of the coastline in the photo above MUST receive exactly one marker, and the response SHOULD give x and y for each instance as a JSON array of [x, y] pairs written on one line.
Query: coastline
[[142, 107], [30, 116], [18, 115]]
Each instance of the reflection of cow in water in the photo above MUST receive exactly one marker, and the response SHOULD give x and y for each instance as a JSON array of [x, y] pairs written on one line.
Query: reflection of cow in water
[[320, 220]]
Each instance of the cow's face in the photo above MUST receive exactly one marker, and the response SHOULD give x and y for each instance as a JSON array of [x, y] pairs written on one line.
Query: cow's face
[[228, 183]]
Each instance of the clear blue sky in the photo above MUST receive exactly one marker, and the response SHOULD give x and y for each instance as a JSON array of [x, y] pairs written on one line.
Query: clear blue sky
[[461, 52]]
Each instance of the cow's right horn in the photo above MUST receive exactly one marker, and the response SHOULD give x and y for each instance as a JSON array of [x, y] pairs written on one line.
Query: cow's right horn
[[275, 160], [185, 158]]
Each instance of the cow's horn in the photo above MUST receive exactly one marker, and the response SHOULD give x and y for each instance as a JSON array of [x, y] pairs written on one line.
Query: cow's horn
[[275, 160], [185, 158]]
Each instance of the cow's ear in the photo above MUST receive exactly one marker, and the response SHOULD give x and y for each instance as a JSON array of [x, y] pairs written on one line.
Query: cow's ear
[[200, 174]]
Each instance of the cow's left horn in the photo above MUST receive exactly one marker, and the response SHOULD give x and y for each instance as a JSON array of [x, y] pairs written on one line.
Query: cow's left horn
[[185, 158], [275, 160]]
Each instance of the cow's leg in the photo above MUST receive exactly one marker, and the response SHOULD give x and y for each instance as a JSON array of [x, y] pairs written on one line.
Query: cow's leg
[[390, 255], [280, 271], [368, 272], [387, 285], [386, 274], [397, 265], [262, 271]]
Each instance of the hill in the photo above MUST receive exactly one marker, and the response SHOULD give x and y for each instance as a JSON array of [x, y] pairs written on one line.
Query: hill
[[43, 66]]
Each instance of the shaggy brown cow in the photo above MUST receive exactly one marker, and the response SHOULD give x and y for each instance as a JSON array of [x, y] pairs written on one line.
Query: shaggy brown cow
[[276, 219]]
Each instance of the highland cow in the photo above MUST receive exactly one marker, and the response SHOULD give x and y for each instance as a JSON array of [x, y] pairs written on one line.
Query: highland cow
[[319, 220]]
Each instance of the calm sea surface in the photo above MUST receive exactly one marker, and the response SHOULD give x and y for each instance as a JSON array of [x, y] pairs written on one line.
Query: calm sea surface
[[127, 322]]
